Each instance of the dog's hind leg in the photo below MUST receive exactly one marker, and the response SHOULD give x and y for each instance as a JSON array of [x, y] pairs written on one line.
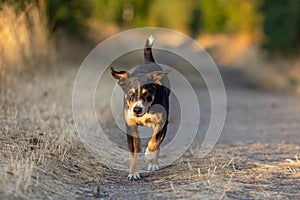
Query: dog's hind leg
[[134, 147]]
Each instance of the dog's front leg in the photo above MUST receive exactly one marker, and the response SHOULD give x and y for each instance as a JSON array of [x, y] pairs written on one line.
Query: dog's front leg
[[152, 150], [134, 147]]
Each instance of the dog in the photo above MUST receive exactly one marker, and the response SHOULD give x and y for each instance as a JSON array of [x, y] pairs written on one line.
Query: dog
[[146, 103]]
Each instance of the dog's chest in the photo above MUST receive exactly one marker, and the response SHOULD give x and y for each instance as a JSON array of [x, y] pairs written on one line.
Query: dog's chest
[[148, 119]]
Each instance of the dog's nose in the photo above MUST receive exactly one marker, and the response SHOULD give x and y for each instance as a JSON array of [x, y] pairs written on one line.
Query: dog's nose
[[138, 110]]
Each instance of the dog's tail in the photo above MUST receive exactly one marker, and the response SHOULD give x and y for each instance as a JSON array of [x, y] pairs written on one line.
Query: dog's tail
[[148, 50]]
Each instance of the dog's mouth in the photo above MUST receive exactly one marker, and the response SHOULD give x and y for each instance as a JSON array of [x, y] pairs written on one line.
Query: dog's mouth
[[139, 115]]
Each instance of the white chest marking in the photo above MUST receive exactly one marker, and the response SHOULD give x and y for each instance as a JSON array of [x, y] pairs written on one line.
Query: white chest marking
[[148, 119]]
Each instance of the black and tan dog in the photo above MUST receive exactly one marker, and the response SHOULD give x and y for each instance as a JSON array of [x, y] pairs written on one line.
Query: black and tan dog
[[146, 103]]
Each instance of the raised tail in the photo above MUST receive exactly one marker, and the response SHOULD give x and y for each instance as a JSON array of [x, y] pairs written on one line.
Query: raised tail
[[148, 50]]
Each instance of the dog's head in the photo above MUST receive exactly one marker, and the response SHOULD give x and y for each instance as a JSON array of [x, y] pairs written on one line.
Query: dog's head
[[139, 90]]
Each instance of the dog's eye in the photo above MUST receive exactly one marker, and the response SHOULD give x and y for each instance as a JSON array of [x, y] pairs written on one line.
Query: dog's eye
[[131, 97], [149, 98]]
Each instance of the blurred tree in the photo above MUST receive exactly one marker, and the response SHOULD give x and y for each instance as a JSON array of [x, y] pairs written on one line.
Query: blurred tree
[[69, 15], [281, 26], [141, 12], [213, 16], [196, 20], [108, 11], [230, 16], [171, 14], [125, 13]]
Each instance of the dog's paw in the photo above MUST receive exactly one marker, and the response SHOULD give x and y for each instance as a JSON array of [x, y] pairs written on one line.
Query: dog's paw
[[135, 176], [150, 156], [152, 167]]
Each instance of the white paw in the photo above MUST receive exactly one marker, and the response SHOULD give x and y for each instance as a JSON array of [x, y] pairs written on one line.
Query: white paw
[[150, 156], [134, 176], [152, 167]]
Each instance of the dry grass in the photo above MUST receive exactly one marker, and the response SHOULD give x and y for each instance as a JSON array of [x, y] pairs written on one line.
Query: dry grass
[[25, 43], [40, 153]]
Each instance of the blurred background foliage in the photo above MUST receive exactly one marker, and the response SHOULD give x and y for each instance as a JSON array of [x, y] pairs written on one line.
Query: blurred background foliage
[[68, 15], [281, 25], [28, 27], [278, 20]]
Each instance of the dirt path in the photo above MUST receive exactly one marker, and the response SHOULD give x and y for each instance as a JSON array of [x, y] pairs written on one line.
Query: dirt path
[[255, 115], [256, 156]]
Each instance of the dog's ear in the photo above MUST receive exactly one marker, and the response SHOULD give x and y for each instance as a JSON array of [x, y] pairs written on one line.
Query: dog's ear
[[122, 76], [158, 75], [119, 74]]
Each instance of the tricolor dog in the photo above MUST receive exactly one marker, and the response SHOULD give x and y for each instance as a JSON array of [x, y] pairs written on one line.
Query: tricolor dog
[[146, 103]]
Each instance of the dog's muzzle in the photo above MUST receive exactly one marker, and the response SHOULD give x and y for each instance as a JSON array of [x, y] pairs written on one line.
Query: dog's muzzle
[[138, 109]]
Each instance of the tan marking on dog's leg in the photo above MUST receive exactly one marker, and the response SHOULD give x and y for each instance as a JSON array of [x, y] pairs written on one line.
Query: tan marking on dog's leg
[[133, 163], [152, 144], [137, 145], [133, 174], [152, 150]]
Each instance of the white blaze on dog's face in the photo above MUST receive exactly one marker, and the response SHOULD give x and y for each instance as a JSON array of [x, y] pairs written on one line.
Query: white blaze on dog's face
[[139, 99]]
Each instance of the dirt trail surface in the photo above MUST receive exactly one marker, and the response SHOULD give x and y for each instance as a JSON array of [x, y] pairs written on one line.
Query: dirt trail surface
[[256, 156]]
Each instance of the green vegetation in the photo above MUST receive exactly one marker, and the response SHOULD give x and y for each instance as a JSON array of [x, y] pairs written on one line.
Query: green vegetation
[[279, 21], [230, 16], [281, 26], [125, 13], [69, 15]]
